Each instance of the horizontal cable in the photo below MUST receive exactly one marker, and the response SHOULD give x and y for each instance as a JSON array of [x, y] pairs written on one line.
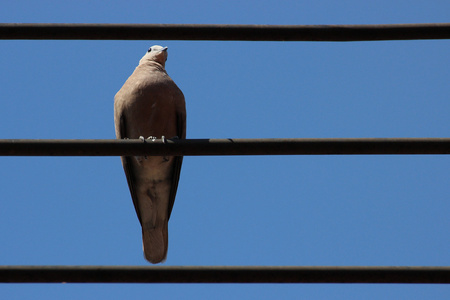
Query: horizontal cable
[[193, 147], [218, 32], [220, 274]]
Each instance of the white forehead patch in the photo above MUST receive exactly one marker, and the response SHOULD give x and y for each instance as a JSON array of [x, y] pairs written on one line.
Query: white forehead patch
[[156, 48]]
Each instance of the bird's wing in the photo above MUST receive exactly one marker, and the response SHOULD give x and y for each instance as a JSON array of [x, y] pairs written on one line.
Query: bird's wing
[[128, 167], [178, 160]]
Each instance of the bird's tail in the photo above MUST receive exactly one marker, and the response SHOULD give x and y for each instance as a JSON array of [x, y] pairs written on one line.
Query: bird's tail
[[155, 243]]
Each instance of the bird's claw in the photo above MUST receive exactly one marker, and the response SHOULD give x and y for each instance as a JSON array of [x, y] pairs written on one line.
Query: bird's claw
[[152, 138]]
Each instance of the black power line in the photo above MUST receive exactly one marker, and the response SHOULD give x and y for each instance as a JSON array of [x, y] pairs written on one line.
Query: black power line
[[220, 274], [217, 32], [190, 147]]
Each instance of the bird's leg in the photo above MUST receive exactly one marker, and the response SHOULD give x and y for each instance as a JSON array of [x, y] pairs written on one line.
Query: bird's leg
[[152, 138]]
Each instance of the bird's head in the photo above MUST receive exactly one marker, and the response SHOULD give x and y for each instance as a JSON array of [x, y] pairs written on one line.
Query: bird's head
[[155, 53]]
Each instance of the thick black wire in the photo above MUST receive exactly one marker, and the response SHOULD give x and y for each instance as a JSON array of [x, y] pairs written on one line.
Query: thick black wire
[[220, 274], [190, 147], [218, 32]]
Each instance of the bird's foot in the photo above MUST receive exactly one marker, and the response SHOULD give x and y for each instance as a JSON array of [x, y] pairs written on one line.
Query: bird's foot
[[152, 138]]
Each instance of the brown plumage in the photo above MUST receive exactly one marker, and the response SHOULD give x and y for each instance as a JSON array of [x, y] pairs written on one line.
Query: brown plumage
[[151, 104]]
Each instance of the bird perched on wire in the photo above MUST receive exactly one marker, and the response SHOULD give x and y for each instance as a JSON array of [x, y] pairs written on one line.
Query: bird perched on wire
[[151, 105]]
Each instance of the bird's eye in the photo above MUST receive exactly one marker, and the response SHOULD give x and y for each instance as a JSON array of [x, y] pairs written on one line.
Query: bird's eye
[[149, 49]]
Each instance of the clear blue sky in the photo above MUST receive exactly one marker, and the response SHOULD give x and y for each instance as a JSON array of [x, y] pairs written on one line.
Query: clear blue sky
[[268, 210]]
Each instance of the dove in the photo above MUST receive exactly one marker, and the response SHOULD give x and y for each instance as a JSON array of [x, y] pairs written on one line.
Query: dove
[[151, 105]]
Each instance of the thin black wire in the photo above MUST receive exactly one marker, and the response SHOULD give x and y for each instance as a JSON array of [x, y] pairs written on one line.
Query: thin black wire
[[219, 32], [190, 147], [220, 274]]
